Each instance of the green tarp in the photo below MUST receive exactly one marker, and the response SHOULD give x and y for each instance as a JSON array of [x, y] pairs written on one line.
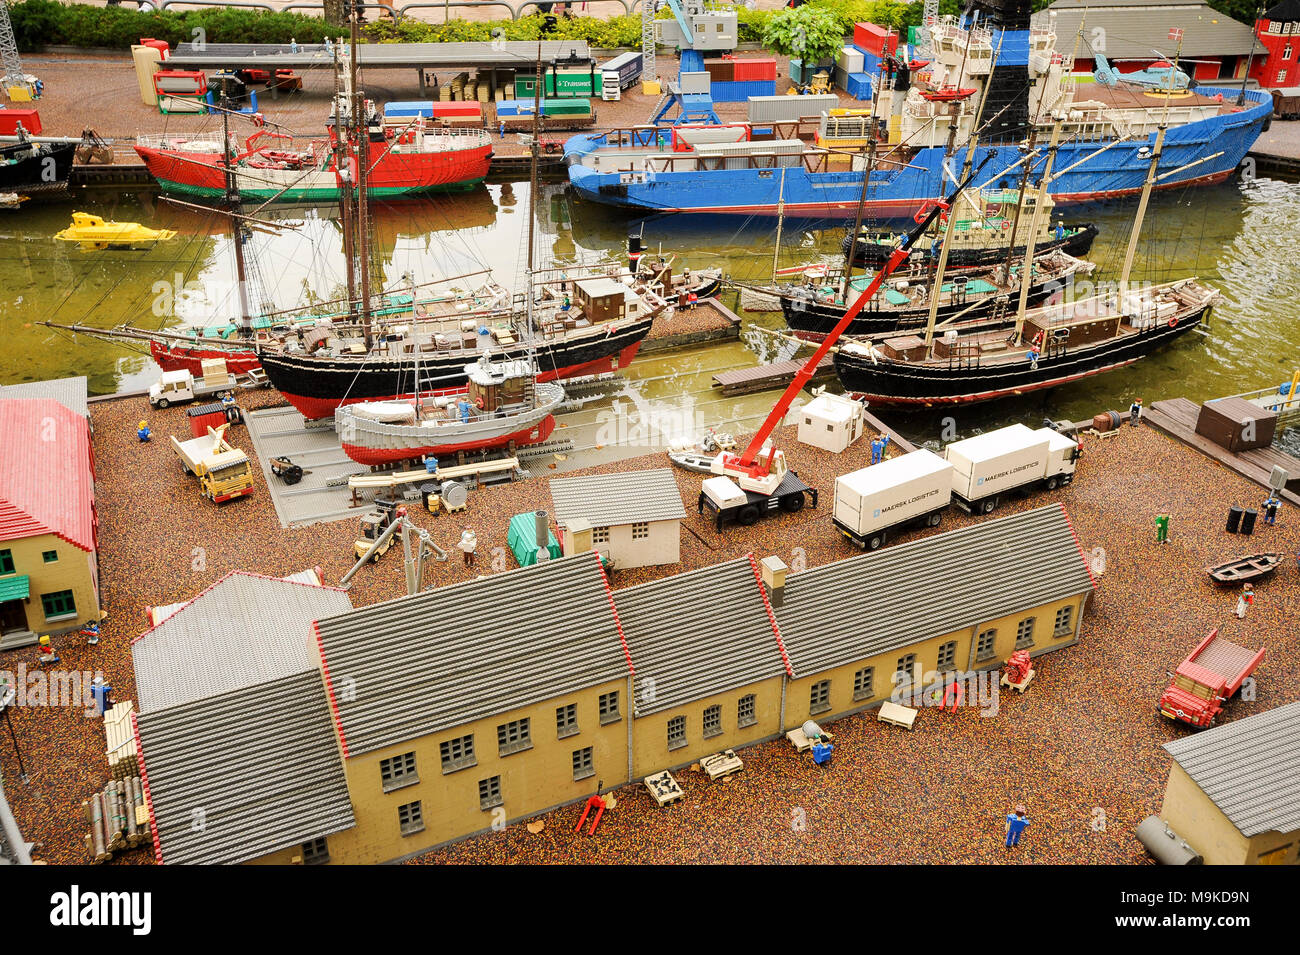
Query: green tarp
[[522, 538]]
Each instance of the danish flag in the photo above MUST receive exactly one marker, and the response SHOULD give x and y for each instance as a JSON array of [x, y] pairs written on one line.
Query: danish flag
[[1175, 34]]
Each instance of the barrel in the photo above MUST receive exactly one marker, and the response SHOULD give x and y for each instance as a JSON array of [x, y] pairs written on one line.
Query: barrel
[[1248, 521], [1234, 519]]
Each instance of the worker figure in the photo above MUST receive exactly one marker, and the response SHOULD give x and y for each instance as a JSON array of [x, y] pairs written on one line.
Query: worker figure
[[91, 632], [431, 465], [1017, 822], [691, 299], [1060, 230], [1271, 507], [877, 451], [1032, 355], [101, 695], [1135, 412], [567, 304], [47, 654], [1162, 528], [503, 129], [468, 545], [1246, 599], [884, 444], [142, 431], [822, 751]]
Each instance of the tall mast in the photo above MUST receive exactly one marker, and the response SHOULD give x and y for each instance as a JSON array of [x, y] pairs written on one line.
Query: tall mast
[[236, 227], [1147, 186], [866, 172], [780, 223], [1027, 263], [942, 264], [534, 152], [361, 134], [344, 167]]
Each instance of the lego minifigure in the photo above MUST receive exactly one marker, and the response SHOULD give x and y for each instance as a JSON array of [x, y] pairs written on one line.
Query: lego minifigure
[[47, 652], [822, 752], [101, 693], [1271, 507], [1032, 355], [468, 545], [877, 450], [1162, 528], [142, 431], [884, 444], [1017, 822], [1135, 412], [431, 465], [1247, 599], [91, 632], [691, 299]]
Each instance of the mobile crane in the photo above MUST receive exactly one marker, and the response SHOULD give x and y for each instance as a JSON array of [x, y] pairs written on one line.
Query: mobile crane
[[757, 481]]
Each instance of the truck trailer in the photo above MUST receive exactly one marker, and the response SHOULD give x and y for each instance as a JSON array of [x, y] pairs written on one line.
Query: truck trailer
[[914, 488], [1015, 458], [1207, 679]]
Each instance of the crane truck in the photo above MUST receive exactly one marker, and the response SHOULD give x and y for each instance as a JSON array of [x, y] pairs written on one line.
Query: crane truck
[[757, 482]]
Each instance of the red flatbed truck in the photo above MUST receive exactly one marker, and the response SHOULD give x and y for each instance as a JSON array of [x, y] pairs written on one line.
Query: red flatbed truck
[[1207, 679]]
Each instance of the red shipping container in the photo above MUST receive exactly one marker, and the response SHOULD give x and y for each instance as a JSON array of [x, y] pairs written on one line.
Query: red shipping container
[[209, 416], [10, 118], [462, 108], [755, 68], [874, 39]]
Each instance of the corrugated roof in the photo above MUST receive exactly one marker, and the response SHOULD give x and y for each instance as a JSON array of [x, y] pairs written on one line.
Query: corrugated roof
[[628, 497], [69, 392], [847, 611], [1250, 768], [46, 485], [243, 630], [237, 776], [443, 658], [695, 634], [1133, 28]]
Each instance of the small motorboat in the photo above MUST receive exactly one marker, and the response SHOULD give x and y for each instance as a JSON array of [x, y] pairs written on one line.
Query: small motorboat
[[11, 200], [948, 94], [692, 461], [92, 232], [1240, 570]]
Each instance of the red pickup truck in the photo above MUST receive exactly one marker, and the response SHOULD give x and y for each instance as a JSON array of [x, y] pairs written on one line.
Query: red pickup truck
[[1207, 679]]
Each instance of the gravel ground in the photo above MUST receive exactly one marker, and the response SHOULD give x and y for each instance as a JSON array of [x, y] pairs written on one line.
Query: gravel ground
[[1084, 736]]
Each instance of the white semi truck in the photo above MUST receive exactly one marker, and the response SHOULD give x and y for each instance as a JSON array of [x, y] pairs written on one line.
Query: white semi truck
[[914, 488], [989, 466]]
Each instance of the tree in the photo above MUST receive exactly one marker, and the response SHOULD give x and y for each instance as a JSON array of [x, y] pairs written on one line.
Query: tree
[[335, 13], [810, 33]]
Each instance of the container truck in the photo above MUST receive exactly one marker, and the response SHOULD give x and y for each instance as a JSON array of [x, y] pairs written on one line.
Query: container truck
[[222, 470], [1207, 679], [914, 488], [1015, 458]]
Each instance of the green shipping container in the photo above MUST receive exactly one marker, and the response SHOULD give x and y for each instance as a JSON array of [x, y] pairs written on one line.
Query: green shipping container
[[566, 107]]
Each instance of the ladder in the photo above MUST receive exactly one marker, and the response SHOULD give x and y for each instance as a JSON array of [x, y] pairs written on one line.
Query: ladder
[[648, 74]]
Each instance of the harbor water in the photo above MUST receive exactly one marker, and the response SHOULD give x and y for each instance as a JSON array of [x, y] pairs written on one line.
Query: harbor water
[[1239, 237]]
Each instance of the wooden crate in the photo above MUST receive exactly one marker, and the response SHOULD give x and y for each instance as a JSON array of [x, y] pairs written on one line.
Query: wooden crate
[[1236, 424]]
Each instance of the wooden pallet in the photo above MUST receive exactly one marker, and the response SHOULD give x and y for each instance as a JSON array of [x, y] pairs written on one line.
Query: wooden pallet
[[800, 741], [897, 714], [721, 765], [1018, 687], [120, 740], [664, 789]]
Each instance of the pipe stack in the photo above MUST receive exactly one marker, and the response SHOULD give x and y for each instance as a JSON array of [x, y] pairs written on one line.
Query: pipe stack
[[117, 819]]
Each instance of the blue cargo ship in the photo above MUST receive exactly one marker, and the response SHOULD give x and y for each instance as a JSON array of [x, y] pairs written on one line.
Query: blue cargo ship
[[1108, 132]]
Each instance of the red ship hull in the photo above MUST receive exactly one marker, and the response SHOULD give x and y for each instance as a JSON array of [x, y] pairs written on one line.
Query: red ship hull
[[174, 357], [378, 457]]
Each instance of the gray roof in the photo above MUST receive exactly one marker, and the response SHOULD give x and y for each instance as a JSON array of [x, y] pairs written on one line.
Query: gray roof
[[243, 630], [13, 847], [511, 54], [604, 500], [243, 774], [445, 657], [1134, 27], [699, 633], [69, 392], [847, 611], [1250, 769]]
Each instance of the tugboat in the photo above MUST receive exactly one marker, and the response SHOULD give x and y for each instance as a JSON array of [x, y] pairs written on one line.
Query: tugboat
[[30, 168]]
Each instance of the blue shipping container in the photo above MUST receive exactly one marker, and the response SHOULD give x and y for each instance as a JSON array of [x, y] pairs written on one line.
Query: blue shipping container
[[739, 91], [859, 85], [409, 108], [509, 107]]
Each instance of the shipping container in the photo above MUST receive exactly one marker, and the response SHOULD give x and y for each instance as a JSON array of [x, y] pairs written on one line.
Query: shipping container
[[860, 85], [873, 39], [739, 92], [695, 82], [720, 70], [752, 68], [628, 66], [914, 487], [684, 137], [30, 119], [850, 60], [992, 464], [796, 71], [784, 109]]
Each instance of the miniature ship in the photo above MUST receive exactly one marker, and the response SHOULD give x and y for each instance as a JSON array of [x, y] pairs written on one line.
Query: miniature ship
[[503, 406], [1239, 570], [92, 232], [29, 168]]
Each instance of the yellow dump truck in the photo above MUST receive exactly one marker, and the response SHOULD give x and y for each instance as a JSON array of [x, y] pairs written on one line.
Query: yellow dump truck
[[222, 471]]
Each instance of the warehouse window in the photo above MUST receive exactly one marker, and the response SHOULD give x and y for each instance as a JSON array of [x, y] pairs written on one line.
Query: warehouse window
[[905, 669], [566, 720], [864, 683], [315, 851], [514, 737], [820, 699], [6, 562], [746, 711], [584, 764], [609, 708], [712, 721], [489, 793], [600, 535], [398, 771], [677, 732], [457, 753], [640, 531], [410, 818], [50, 557], [1064, 622], [1025, 633], [986, 645], [947, 655], [58, 605]]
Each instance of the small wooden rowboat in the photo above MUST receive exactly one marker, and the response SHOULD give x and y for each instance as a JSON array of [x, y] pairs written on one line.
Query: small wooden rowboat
[[948, 94], [1239, 570]]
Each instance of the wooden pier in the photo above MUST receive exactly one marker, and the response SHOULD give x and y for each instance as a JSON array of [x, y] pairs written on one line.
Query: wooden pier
[[744, 381]]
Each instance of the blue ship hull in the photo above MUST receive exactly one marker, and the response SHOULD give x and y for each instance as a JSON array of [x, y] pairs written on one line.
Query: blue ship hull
[[1117, 171]]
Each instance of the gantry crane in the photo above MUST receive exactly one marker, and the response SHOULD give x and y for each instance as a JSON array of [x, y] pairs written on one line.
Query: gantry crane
[[18, 85]]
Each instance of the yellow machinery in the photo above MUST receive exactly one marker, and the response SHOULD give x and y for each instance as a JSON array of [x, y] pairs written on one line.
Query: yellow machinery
[[92, 232]]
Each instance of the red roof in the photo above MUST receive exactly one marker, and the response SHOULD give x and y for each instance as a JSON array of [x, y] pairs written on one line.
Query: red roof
[[46, 484]]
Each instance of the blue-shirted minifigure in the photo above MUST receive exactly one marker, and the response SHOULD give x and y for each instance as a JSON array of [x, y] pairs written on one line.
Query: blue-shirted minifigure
[[822, 752], [142, 432], [91, 632], [1017, 822], [877, 451], [1271, 507], [1060, 230], [101, 695], [431, 465]]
